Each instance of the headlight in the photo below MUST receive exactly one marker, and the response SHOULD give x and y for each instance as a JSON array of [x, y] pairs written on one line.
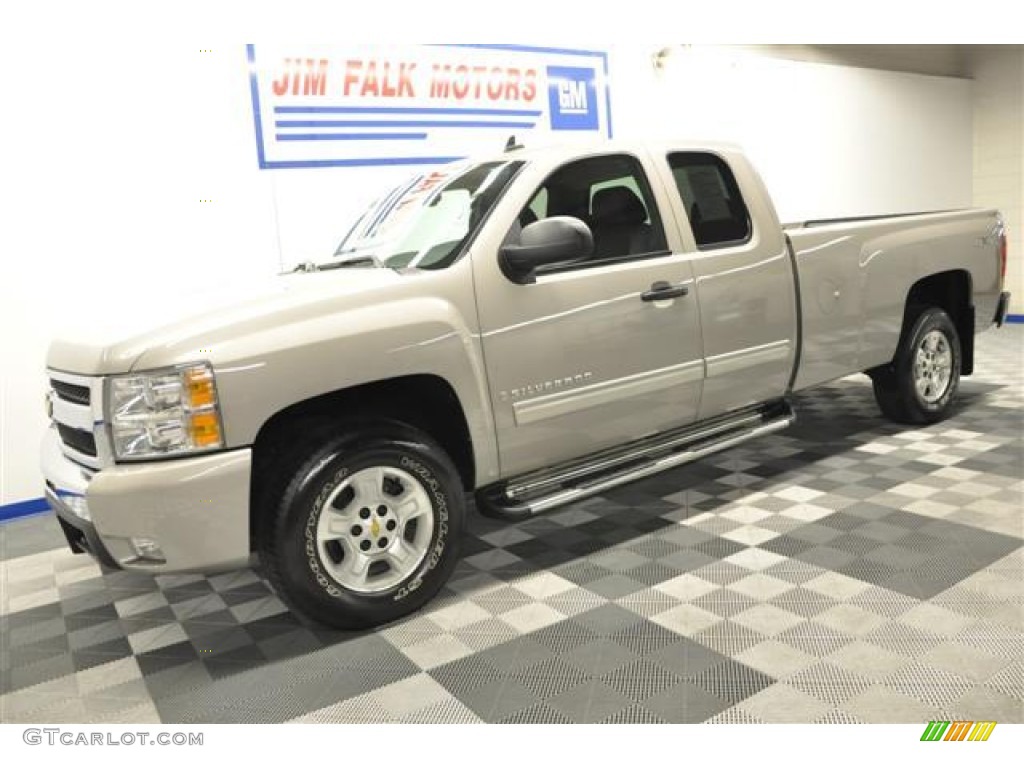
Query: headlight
[[164, 413]]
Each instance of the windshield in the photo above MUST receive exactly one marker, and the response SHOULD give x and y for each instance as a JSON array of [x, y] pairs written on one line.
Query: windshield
[[426, 221]]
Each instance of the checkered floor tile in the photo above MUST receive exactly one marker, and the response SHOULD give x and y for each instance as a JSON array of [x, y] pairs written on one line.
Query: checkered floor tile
[[845, 570]]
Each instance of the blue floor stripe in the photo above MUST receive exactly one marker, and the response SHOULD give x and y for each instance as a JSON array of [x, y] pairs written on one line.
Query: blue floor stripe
[[1015, 318], [23, 509]]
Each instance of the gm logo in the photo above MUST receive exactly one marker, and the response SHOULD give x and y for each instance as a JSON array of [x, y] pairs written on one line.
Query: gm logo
[[572, 97]]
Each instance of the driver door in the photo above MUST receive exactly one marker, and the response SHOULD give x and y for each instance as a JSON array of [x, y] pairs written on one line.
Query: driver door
[[587, 357]]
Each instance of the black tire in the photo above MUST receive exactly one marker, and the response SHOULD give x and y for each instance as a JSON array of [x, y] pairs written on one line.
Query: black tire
[[292, 553], [895, 386]]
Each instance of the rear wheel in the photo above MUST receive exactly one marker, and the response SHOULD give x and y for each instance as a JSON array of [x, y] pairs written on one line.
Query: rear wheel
[[919, 386], [365, 528]]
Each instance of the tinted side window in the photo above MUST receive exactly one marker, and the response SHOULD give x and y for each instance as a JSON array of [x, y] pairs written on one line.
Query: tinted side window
[[612, 196], [718, 215]]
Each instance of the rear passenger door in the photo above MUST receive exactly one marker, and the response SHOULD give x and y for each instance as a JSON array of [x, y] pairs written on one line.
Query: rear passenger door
[[744, 281]]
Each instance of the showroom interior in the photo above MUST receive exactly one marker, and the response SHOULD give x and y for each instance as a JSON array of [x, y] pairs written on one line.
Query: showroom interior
[[845, 569]]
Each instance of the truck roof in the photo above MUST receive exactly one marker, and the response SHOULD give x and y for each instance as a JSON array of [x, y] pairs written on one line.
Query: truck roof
[[577, 149]]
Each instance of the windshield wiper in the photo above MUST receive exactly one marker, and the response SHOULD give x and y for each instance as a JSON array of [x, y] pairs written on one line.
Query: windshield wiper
[[364, 260]]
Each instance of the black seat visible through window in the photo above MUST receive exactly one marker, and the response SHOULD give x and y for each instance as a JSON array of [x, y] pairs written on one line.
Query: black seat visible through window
[[733, 227], [618, 220]]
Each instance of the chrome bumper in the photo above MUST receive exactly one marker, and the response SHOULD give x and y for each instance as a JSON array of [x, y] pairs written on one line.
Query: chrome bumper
[[195, 510]]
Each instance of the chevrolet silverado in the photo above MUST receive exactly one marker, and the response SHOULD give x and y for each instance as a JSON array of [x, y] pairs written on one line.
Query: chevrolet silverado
[[527, 329]]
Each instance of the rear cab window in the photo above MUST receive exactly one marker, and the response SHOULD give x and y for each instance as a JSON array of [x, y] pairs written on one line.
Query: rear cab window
[[711, 198]]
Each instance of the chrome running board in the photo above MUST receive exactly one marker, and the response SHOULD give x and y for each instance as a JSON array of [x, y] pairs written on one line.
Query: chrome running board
[[537, 492]]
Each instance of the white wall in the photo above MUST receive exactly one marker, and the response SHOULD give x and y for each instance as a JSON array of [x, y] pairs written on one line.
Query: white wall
[[829, 140], [999, 150], [102, 188]]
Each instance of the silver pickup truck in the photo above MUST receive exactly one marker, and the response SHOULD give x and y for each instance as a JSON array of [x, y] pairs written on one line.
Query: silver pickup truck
[[529, 328]]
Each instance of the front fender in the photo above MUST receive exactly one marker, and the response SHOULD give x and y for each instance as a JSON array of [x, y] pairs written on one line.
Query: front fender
[[402, 338], [426, 324]]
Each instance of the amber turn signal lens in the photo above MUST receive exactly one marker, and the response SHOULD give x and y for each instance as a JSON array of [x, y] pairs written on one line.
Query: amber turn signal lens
[[199, 387], [205, 429]]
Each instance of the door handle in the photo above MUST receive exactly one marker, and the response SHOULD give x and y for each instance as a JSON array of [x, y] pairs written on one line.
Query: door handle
[[662, 290]]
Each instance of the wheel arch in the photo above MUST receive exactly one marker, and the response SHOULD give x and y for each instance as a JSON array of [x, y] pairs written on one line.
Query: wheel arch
[[426, 402], [950, 291]]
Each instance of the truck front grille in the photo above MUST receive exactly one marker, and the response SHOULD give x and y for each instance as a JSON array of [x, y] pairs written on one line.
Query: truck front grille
[[75, 408], [77, 439], [73, 393]]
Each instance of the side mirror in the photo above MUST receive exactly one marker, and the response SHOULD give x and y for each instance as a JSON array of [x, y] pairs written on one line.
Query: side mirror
[[548, 241]]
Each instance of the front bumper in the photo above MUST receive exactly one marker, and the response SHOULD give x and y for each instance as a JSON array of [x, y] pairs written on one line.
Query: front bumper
[[1002, 308], [196, 510]]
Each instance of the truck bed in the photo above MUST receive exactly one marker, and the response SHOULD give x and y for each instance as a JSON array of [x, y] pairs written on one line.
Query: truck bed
[[854, 276]]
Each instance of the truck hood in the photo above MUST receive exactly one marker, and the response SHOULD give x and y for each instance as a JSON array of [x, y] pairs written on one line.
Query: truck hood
[[115, 335]]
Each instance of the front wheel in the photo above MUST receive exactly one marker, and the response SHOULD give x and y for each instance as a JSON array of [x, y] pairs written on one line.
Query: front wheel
[[919, 386], [366, 528]]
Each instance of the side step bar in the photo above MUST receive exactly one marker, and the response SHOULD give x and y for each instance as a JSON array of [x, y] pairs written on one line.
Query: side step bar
[[537, 492]]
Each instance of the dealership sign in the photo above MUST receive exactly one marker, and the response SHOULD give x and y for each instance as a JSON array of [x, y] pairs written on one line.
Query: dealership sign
[[316, 106]]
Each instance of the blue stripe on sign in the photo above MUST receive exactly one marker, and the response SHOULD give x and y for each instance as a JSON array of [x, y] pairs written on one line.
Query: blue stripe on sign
[[360, 161], [1015, 318], [254, 93], [348, 136], [23, 509], [399, 124], [406, 111]]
